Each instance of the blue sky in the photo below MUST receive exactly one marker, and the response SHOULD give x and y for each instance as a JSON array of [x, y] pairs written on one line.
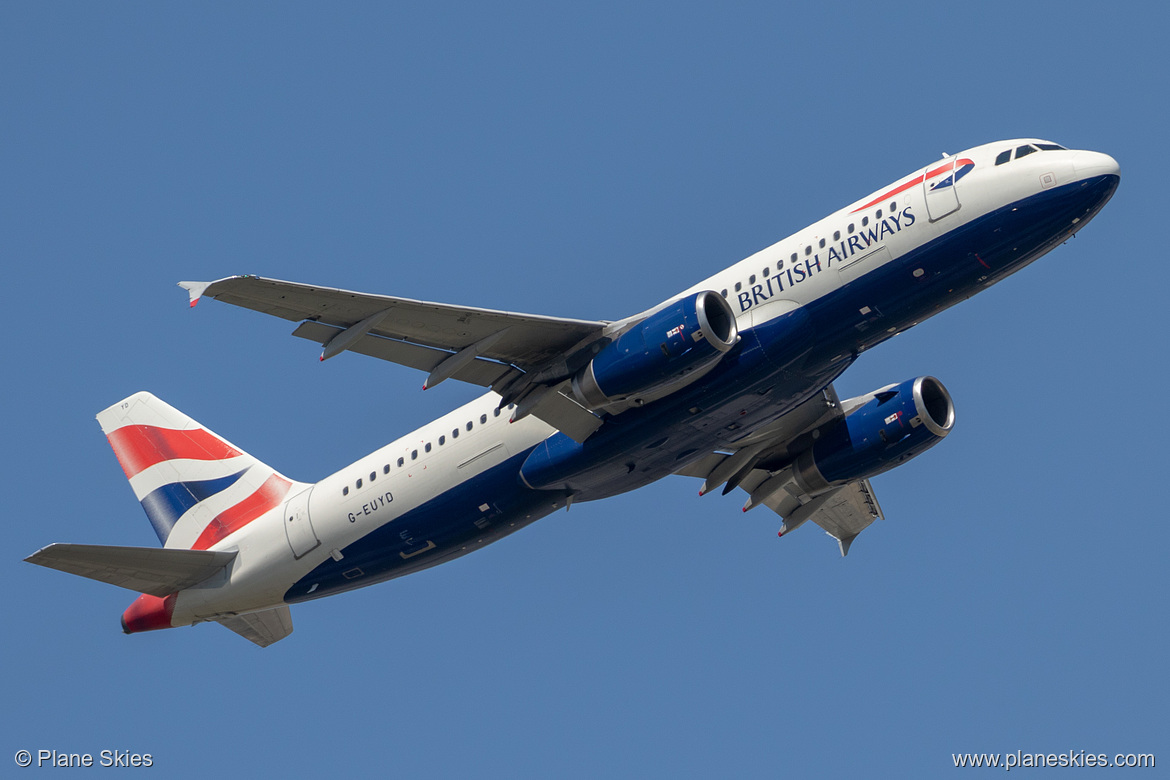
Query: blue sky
[[585, 162]]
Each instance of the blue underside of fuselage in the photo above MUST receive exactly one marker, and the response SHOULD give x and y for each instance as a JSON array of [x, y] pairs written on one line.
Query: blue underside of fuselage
[[774, 368]]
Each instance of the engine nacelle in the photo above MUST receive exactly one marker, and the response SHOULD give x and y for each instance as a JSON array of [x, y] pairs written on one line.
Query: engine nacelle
[[896, 424], [665, 352]]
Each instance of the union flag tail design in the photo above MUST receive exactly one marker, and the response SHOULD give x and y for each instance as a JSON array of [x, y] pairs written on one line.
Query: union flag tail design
[[196, 487]]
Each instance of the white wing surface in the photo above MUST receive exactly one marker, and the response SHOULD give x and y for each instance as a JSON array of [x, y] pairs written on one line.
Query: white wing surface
[[524, 340], [527, 358]]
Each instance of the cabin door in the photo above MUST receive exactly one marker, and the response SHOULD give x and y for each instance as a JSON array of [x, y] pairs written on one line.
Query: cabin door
[[297, 526], [939, 191]]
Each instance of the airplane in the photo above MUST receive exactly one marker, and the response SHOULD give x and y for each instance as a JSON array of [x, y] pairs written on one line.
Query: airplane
[[730, 382]]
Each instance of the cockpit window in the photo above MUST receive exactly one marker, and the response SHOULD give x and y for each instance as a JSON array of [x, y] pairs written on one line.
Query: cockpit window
[[1024, 151]]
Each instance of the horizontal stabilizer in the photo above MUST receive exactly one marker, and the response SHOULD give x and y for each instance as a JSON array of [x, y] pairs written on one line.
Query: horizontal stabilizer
[[152, 570], [262, 628]]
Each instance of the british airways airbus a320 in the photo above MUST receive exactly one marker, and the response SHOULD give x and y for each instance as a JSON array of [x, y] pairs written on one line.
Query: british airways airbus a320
[[729, 382]]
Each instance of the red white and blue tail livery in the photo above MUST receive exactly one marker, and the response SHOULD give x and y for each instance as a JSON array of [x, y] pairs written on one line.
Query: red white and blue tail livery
[[196, 488], [730, 382]]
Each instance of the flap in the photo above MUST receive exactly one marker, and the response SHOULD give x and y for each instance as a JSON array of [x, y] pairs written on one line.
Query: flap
[[478, 371]]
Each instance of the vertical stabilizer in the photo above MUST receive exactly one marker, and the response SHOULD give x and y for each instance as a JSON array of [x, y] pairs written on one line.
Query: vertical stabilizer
[[195, 487]]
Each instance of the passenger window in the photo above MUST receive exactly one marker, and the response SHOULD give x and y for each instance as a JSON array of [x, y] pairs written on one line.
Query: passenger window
[[878, 215], [442, 440], [752, 279], [372, 475], [1003, 157], [738, 286], [893, 206], [359, 484], [723, 293], [496, 412], [414, 454], [401, 462], [836, 235], [454, 433], [850, 230], [386, 469], [791, 259], [766, 271], [808, 250], [1024, 151], [864, 221], [428, 447], [345, 490]]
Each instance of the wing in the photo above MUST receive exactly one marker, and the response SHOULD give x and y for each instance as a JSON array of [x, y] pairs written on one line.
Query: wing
[[526, 358], [262, 628], [761, 467], [154, 570]]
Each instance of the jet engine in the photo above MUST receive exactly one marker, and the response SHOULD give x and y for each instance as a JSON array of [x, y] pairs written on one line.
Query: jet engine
[[894, 425], [668, 350]]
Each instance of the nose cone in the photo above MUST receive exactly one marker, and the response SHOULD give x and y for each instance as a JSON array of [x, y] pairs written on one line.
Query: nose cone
[[1092, 164]]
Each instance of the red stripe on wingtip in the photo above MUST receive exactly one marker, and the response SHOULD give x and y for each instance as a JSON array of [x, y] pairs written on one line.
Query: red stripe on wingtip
[[138, 447], [231, 520]]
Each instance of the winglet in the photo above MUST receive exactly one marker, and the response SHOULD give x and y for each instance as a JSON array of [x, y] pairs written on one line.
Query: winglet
[[195, 289], [845, 543]]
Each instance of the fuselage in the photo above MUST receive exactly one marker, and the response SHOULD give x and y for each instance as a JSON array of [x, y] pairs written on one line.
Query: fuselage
[[805, 308]]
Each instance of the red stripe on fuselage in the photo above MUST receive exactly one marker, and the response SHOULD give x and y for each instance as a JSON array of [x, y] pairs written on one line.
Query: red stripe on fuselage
[[231, 520], [138, 447], [903, 187]]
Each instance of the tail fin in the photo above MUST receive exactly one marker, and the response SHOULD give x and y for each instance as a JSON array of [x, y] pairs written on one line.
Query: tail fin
[[196, 487]]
